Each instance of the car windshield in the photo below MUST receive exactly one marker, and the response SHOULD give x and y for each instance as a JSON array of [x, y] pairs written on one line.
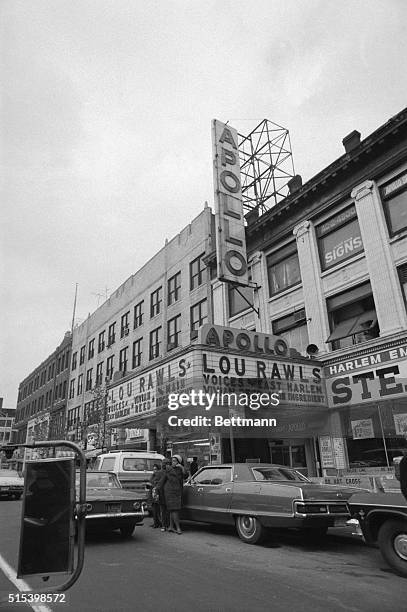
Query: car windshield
[[100, 480], [278, 473], [139, 464]]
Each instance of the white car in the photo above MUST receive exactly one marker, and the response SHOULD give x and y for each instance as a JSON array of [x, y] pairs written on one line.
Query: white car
[[11, 484]]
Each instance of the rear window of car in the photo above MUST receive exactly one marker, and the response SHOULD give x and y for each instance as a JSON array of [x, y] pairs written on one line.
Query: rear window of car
[[139, 464], [99, 481], [274, 473], [108, 464]]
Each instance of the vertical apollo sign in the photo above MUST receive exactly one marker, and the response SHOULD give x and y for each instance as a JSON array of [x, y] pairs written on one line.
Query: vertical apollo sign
[[230, 235]]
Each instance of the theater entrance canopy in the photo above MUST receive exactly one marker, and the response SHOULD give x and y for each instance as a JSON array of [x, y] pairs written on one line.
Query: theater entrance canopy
[[229, 378]]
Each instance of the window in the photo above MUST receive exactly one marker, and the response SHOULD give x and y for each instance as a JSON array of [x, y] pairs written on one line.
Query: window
[[240, 299], [214, 476], [174, 332], [138, 314], [64, 389], [80, 384], [174, 288], [155, 302], [101, 342], [293, 329], [403, 280], [199, 315], [352, 317], [66, 360], [137, 352], [89, 379], [109, 367], [82, 355], [155, 343], [99, 373], [394, 196], [91, 349], [283, 269], [123, 360], [124, 326], [74, 360], [111, 335], [339, 238], [196, 268], [72, 389]]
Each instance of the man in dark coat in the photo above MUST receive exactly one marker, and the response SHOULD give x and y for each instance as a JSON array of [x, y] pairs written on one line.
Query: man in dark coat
[[171, 485], [403, 475], [155, 497]]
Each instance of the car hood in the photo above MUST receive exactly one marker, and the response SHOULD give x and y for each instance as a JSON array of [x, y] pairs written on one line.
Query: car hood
[[313, 491], [93, 494], [11, 481]]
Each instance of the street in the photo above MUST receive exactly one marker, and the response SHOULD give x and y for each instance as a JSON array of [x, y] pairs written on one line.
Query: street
[[209, 568]]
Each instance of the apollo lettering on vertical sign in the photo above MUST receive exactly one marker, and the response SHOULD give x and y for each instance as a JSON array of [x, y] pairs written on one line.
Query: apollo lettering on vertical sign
[[230, 234]]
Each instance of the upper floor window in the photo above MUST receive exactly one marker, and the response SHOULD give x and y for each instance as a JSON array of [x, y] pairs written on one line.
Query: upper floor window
[[352, 317], [283, 269], [155, 343], [137, 352], [72, 389], [111, 334], [99, 373], [196, 270], [82, 355], [174, 332], [101, 342], [174, 288], [124, 325], [138, 314], [403, 280], [89, 380], [74, 360], [339, 238], [240, 299], [123, 360], [199, 315], [80, 384], [91, 349], [109, 367], [155, 302], [394, 196], [293, 329]]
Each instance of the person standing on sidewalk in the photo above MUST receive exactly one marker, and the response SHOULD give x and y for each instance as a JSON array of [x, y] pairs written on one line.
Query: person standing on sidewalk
[[172, 485], [164, 514], [155, 496]]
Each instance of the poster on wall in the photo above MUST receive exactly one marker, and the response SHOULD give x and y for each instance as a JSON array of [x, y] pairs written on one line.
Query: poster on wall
[[326, 451], [400, 423], [362, 429], [339, 453]]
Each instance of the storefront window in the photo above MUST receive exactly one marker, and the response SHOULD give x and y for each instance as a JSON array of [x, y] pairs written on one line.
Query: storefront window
[[339, 238], [394, 196], [352, 316], [283, 269]]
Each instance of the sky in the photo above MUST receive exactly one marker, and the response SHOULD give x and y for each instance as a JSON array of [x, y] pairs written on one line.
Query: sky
[[106, 113]]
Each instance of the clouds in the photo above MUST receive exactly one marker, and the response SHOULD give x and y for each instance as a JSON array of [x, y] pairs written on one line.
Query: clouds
[[106, 134]]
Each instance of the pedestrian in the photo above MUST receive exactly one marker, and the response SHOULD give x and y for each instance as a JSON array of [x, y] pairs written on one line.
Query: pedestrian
[[193, 468], [403, 475], [171, 485], [164, 514], [155, 497]]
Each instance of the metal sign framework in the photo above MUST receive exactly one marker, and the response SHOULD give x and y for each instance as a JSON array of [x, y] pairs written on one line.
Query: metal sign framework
[[266, 166]]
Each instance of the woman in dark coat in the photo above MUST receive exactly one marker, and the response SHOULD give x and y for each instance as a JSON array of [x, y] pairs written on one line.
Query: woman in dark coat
[[171, 485]]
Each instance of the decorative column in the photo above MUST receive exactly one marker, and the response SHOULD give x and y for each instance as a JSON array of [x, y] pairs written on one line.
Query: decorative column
[[219, 303], [317, 319], [390, 310], [259, 277]]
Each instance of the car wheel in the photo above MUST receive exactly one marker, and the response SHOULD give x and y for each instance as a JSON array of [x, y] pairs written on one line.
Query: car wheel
[[127, 530], [392, 540], [249, 529]]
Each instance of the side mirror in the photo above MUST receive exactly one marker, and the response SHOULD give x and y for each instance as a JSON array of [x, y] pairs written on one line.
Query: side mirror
[[47, 522]]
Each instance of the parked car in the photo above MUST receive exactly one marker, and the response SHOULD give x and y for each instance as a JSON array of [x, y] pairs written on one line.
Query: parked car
[[109, 506], [382, 516], [11, 484], [257, 496]]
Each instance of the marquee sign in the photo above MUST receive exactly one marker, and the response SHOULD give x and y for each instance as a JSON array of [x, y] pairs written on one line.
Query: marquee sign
[[230, 233]]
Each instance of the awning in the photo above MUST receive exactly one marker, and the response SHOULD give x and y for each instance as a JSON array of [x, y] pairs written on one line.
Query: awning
[[354, 325]]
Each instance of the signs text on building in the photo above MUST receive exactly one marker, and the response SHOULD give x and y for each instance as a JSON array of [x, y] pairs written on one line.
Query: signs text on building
[[235, 339], [230, 233], [377, 376]]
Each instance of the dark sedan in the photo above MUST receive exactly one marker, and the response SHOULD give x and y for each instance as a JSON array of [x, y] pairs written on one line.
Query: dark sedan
[[257, 496], [109, 506]]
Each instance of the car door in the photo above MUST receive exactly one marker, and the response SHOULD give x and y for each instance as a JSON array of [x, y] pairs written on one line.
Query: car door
[[207, 496]]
